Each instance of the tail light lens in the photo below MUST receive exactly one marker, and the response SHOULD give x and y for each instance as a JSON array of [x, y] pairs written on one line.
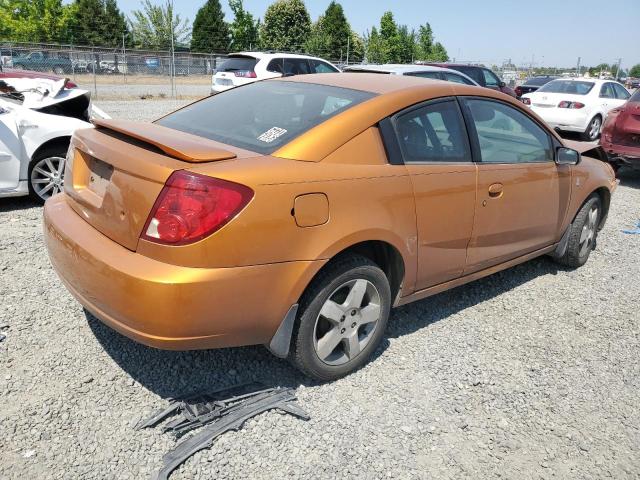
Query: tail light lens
[[572, 105], [526, 101], [245, 74], [191, 207], [70, 84]]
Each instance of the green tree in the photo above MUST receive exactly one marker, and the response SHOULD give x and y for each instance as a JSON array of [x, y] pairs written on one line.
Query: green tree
[[318, 41], [244, 29], [356, 48], [337, 30], [406, 45], [97, 22], [154, 25], [34, 21], [424, 40], [375, 52], [439, 53], [286, 26], [390, 38], [635, 71], [210, 31]]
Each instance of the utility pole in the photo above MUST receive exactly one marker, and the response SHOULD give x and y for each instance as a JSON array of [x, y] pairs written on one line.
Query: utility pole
[[124, 60], [348, 41], [578, 67], [618, 68], [173, 57]]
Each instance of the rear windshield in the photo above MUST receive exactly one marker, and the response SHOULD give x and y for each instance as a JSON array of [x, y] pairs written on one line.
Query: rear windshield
[[263, 116], [235, 64], [567, 86], [537, 81]]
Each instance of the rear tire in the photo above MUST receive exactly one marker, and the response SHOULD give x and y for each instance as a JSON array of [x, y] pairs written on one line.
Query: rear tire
[[592, 132], [342, 318], [583, 234], [46, 173]]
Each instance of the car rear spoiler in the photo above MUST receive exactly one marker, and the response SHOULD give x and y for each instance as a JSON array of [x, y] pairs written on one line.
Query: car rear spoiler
[[180, 145], [587, 149]]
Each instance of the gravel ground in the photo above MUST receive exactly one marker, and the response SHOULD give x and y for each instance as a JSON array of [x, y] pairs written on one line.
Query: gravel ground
[[531, 373]]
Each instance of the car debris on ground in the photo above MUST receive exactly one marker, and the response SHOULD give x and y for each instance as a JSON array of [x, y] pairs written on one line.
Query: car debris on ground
[[222, 411], [635, 231]]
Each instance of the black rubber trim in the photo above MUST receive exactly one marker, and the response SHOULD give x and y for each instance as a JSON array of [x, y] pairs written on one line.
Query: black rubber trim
[[390, 142]]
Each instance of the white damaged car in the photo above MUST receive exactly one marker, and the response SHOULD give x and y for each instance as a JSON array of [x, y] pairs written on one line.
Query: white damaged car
[[37, 120]]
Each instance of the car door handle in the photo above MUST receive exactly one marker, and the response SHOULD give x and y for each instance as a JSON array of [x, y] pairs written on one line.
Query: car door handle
[[495, 190]]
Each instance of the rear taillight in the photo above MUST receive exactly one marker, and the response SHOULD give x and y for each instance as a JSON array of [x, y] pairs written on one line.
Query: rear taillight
[[245, 74], [191, 207], [568, 104], [526, 101], [70, 84]]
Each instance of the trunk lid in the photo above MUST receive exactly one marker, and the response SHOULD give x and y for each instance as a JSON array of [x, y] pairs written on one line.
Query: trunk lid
[[116, 171], [551, 100]]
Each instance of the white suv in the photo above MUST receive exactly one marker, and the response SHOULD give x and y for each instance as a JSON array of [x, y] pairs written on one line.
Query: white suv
[[246, 67]]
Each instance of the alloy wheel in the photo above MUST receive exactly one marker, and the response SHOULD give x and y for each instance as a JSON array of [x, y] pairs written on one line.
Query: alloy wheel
[[347, 321], [594, 128], [47, 177], [589, 231]]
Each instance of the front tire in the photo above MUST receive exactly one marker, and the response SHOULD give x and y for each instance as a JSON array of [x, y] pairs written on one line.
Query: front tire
[[46, 173], [583, 234], [592, 132], [342, 318]]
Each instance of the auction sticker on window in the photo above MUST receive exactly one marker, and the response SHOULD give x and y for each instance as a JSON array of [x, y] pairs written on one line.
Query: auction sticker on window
[[272, 134]]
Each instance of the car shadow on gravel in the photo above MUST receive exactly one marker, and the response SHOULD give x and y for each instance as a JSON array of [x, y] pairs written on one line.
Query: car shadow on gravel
[[17, 203], [629, 178], [171, 374]]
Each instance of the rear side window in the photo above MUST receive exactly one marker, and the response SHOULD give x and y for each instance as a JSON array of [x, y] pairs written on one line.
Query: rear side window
[[573, 87], [296, 66], [433, 133], [506, 135], [263, 116], [432, 75], [238, 64], [276, 66], [606, 91], [472, 72], [318, 66]]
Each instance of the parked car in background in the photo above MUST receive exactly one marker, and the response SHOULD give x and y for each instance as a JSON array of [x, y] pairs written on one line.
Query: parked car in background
[[43, 62], [483, 76], [621, 134], [12, 73], [422, 71], [532, 84], [363, 192], [246, 67], [33, 146], [577, 104]]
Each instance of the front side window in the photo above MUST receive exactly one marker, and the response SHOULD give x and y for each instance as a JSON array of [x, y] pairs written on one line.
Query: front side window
[[296, 66], [490, 79], [471, 72], [318, 66], [432, 75], [506, 135], [433, 133], [263, 116], [452, 77], [621, 92]]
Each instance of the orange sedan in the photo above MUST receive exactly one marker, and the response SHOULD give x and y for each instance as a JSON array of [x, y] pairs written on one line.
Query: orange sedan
[[296, 212]]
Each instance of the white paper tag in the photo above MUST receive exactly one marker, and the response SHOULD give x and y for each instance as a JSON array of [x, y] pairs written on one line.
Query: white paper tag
[[272, 134]]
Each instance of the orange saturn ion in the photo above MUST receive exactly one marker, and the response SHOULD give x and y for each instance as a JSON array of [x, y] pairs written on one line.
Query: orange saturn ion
[[296, 212]]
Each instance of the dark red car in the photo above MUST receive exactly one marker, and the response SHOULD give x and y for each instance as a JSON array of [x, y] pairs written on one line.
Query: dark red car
[[13, 73], [483, 75], [621, 134]]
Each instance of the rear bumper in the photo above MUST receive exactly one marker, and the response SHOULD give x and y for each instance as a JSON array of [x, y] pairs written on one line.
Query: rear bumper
[[630, 154], [563, 119], [168, 306]]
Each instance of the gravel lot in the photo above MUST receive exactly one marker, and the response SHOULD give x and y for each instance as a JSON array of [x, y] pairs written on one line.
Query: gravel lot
[[531, 373]]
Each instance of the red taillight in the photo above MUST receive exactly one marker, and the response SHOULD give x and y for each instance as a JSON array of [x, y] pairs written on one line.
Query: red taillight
[[70, 84], [526, 101], [568, 104], [245, 74], [192, 206]]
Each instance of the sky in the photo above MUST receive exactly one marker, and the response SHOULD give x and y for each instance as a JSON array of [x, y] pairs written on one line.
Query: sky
[[542, 32]]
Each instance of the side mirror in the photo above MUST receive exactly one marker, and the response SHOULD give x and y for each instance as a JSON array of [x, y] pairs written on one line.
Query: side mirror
[[502, 84], [567, 156]]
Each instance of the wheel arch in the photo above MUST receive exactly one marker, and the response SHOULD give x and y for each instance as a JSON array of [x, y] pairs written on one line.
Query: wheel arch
[[62, 141], [605, 198]]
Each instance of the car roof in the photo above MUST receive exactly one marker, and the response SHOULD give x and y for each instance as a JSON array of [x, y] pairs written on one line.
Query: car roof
[[270, 55], [395, 68]]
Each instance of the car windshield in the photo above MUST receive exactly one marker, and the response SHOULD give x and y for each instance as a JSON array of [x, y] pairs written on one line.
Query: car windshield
[[263, 116], [235, 64], [537, 81], [573, 87]]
